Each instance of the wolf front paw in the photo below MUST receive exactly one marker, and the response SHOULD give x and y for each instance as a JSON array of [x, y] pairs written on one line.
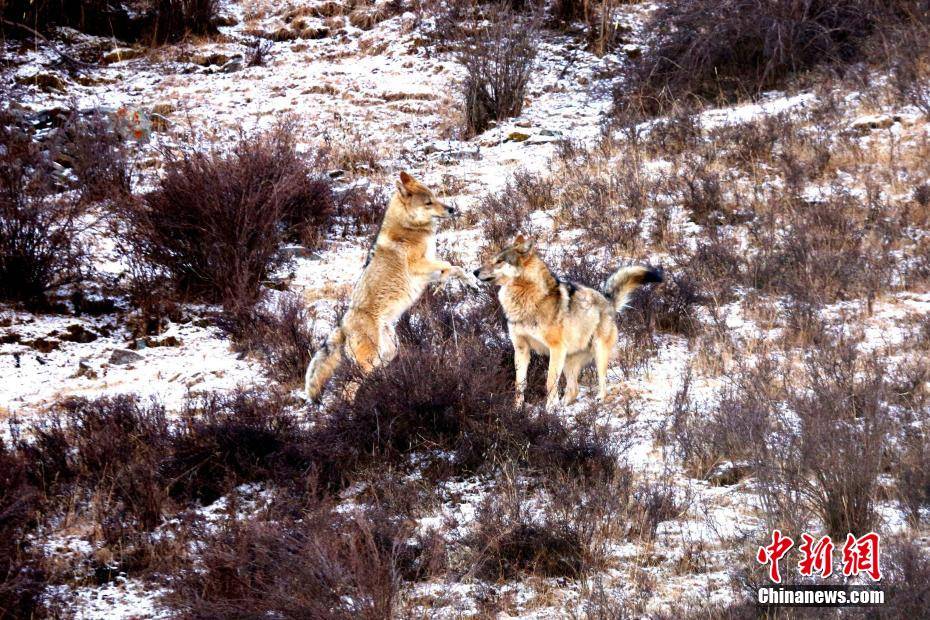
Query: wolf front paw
[[467, 278]]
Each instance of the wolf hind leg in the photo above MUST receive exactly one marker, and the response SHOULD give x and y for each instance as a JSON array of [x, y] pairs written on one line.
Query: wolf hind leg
[[602, 351], [365, 348], [573, 365], [324, 363]]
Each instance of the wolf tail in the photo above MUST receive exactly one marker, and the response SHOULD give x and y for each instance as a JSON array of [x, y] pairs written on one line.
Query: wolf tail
[[626, 280], [324, 363]]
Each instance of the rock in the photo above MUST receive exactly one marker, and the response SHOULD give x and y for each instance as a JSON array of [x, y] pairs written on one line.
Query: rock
[[164, 108], [167, 341], [336, 174], [523, 124], [43, 345], [232, 66], [728, 473], [215, 59], [120, 54], [517, 136], [84, 370], [545, 135], [298, 251], [632, 51], [121, 357], [78, 333], [43, 81], [225, 21], [865, 124]]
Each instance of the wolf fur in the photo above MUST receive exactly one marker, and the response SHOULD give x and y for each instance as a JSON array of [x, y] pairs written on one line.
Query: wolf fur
[[571, 323], [401, 265]]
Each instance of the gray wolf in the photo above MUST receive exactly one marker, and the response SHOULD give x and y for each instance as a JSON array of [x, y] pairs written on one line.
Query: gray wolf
[[570, 323], [401, 265]]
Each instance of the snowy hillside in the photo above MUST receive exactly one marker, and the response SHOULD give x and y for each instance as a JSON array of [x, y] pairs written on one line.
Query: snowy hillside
[[160, 459]]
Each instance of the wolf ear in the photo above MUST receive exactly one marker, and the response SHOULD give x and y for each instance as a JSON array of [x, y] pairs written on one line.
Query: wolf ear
[[403, 184], [522, 244]]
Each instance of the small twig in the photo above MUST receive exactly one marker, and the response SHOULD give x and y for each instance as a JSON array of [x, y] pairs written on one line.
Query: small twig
[[77, 63]]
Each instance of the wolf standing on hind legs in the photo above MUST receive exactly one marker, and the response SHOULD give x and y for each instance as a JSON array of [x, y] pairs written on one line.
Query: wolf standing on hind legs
[[571, 323], [401, 265]]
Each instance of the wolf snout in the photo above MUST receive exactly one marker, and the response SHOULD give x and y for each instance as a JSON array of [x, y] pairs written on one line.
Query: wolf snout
[[477, 272]]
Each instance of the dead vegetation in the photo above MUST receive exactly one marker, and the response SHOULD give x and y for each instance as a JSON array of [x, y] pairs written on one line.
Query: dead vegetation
[[707, 51], [497, 50], [214, 225]]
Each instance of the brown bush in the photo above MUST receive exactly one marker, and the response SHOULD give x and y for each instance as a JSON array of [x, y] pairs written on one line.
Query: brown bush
[[906, 579], [151, 21], [498, 58], [40, 229], [505, 213], [913, 474], [507, 540], [826, 447], [172, 20], [281, 334], [22, 580], [726, 434], [98, 157], [324, 564], [714, 51], [828, 251], [228, 440], [214, 224]]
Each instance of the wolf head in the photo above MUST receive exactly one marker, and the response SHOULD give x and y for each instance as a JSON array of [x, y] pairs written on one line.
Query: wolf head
[[510, 263], [418, 206]]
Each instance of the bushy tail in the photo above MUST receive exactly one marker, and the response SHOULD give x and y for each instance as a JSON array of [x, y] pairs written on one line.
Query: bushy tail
[[324, 363], [626, 280]]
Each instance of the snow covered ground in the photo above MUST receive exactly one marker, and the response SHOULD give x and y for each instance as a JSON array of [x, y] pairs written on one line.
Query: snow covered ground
[[387, 89]]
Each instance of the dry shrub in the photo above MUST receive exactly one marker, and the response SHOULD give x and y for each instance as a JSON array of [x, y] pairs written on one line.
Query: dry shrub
[[838, 248], [22, 580], [913, 474], [108, 448], [564, 528], [93, 16], [602, 30], [826, 445], [281, 334], [40, 229], [668, 308], [98, 157], [708, 50], [905, 49], [228, 440], [707, 440], [322, 564], [214, 224], [498, 57], [151, 21], [508, 541], [905, 579], [173, 20], [654, 501], [505, 213]]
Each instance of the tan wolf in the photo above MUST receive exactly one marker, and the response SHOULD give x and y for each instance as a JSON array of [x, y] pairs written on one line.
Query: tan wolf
[[400, 266], [571, 323]]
